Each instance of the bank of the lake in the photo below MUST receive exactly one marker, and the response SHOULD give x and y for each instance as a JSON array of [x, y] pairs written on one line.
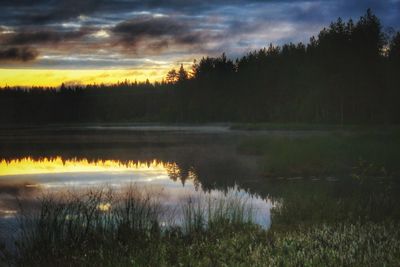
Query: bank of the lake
[[331, 154], [98, 229]]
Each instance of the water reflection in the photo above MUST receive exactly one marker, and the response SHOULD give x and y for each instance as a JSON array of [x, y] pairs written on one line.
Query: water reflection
[[60, 172], [46, 165], [27, 178]]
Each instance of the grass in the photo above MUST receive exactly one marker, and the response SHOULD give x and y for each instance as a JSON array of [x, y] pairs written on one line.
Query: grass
[[308, 126], [309, 204], [209, 213], [105, 228], [282, 126], [333, 154], [99, 227], [341, 244]]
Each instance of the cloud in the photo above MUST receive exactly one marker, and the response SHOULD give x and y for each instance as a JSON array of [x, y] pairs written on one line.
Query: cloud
[[158, 33], [42, 12], [18, 54], [170, 30], [132, 30], [40, 37]]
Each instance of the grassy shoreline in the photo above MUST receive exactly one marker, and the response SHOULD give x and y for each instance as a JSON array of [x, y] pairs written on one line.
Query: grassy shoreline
[[332, 154], [312, 126], [99, 229]]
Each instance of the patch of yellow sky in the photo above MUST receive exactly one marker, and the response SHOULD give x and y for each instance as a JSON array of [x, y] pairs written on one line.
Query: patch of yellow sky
[[55, 77]]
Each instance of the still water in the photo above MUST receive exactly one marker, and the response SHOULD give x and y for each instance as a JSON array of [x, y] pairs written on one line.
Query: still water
[[177, 162]]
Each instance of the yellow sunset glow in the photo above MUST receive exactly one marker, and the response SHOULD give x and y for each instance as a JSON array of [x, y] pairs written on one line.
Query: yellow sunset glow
[[58, 165], [47, 77]]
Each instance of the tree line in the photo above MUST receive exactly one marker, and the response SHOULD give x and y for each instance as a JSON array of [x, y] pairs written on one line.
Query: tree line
[[348, 73]]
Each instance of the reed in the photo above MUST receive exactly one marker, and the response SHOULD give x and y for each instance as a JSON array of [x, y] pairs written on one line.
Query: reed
[[100, 227]]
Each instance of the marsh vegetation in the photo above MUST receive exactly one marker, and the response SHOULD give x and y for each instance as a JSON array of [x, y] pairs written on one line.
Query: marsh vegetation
[[338, 153], [99, 227]]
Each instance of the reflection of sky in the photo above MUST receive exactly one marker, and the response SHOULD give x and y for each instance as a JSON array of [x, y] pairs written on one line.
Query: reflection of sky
[[59, 165], [83, 179], [28, 178]]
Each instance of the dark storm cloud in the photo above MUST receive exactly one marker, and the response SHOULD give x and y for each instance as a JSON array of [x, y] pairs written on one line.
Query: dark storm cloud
[[22, 54], [42, 12], [132, 30], [45, 11], [25, 12], [40, 37], [158, 33]]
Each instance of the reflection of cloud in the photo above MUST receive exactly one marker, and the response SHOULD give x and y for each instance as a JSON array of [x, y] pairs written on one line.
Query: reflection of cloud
[[17, 188], [172, 196], [27, 179], [16, 194]]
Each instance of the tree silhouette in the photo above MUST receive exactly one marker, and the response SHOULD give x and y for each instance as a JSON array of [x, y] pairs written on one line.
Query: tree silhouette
[[172, 76], [394, 48], [182, 74], [348, 73]]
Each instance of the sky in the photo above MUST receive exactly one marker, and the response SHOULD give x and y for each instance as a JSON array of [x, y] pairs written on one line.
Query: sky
[[49, 42]]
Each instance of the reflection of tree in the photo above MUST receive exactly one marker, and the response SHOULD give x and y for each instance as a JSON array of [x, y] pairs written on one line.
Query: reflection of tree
[[217, 174], [193, 177], [302, 201], [176, 172], [173, 171]]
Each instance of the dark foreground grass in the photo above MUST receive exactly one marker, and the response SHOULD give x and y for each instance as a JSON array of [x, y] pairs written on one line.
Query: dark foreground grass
[[96, 228], [331, 154]]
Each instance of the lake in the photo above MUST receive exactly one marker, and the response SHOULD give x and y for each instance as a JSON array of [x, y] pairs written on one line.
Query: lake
[[178, 162], [177, 165]]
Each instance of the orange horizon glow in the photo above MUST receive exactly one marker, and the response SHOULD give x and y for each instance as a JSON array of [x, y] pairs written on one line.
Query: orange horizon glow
[[55, 77], [29, 165]]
